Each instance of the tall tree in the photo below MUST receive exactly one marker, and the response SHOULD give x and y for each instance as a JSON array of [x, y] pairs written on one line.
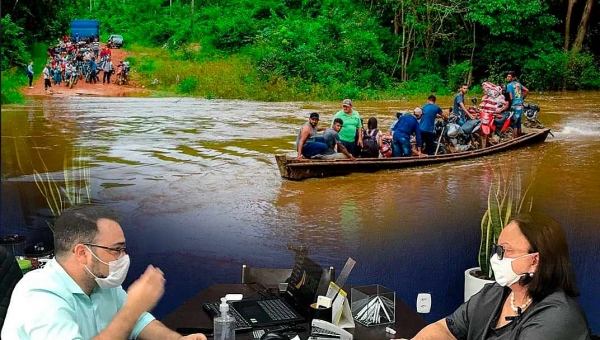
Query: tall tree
[[583, 24], [568, 23]]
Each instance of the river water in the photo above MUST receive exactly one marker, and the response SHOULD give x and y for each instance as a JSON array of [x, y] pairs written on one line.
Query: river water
[[200, 194]]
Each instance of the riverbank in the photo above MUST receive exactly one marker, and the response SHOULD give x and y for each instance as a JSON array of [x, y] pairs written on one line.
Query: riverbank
[[158, 72], [133, 88]]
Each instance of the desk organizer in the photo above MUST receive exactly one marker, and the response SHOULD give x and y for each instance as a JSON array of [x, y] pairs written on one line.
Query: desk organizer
[[373, 305]]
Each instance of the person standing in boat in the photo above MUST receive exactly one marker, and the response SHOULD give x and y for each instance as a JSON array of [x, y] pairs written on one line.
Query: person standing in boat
[[406, 126], [427, 124], [332, 139], [351, 133], [308, 144], [516, 95], [459, 108]]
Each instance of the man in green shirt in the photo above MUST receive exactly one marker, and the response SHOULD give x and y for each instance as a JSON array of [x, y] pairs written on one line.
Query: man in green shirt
[[351, 128]]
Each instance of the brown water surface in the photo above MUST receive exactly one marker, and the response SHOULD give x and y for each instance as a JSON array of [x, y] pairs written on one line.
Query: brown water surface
[[200, 193]]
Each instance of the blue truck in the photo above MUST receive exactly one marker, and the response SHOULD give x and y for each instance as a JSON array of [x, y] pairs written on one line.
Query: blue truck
[[86, 29]]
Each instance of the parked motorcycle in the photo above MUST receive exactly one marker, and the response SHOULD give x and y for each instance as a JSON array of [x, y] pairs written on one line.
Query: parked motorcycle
[[531, 113], [452, 137], [496, 126]]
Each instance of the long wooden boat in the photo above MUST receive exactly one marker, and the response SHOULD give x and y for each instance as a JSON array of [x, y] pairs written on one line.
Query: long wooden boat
[[299, 169]]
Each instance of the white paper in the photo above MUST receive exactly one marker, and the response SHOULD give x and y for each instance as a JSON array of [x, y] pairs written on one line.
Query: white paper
[[341, 313]]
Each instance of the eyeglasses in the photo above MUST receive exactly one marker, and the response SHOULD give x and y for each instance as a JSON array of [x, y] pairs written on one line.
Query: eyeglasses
[[498, 250], [120, 251]]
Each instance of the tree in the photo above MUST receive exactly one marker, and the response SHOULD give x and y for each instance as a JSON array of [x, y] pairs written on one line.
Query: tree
[[583, 24], [13, 49]]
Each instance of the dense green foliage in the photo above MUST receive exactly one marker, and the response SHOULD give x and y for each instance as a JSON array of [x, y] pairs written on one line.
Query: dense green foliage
[[353, 48]]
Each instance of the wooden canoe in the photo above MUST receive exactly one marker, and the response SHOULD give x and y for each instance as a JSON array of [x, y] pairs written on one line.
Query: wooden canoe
[[296, 169]]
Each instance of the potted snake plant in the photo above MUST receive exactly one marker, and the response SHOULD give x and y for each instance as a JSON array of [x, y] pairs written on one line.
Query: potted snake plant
[[60, 191], [503, 202]]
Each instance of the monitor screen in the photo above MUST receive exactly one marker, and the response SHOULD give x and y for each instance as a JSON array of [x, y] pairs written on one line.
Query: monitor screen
[[304, 282]]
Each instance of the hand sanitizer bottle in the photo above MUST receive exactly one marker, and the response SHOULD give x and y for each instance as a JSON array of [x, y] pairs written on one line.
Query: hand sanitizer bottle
[[224, 324]]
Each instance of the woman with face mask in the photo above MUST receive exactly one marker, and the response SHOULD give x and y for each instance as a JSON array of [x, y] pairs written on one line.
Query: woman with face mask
[[533, 297]]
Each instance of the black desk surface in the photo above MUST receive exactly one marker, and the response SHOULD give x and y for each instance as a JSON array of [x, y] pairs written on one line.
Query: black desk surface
[[192, 315]]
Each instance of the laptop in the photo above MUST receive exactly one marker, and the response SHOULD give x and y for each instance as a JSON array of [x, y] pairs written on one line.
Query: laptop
[[293, 306]]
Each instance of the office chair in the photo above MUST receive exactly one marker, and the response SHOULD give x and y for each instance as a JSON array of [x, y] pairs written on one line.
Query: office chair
[[10, 274]]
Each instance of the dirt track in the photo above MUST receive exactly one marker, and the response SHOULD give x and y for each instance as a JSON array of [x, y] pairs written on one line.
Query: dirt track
[[85, 89]]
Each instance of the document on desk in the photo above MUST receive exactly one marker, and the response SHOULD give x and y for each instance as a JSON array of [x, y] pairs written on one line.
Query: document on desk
[[341, 313]]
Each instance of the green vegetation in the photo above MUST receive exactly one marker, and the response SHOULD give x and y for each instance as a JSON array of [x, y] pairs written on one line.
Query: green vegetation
[[505, 200], [308, 49], [60, 193]]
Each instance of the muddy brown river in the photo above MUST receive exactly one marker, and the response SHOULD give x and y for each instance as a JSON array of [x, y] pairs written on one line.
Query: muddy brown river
[[199, 191]]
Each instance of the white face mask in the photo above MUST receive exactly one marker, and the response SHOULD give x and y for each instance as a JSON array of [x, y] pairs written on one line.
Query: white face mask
[[117, 271], [503, 272]]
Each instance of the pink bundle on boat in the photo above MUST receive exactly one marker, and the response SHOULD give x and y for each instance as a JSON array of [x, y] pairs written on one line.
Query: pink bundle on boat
[[492, 99]]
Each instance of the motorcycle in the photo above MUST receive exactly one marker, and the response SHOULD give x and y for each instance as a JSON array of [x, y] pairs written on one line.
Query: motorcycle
[[531, 113], [452, 137], [73, 78], [496, 126]]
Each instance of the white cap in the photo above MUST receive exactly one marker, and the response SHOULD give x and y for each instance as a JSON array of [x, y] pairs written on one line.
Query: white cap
[[224, 306]]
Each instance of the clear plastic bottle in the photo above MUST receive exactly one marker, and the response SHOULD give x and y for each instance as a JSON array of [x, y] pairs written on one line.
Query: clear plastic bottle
[[224, 324]]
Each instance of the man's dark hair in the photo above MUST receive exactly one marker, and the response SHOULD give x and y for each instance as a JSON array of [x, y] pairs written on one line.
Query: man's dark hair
[[555, 270], [432, 98], [338, 120], [78, 224]]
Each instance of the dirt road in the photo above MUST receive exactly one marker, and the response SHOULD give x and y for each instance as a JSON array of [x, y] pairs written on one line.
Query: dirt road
[[86, 89]]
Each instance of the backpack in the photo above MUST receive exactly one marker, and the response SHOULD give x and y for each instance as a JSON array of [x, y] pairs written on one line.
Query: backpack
[[370, 148]]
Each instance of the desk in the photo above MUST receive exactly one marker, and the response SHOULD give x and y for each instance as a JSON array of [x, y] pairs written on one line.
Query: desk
[[191, 315]]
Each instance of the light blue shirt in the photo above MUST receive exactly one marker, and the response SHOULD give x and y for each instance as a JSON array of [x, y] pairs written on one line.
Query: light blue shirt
[[48, 305]]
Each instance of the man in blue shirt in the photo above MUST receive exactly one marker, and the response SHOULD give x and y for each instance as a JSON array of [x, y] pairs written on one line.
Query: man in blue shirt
[[516, 94], [78, 294], [430, 112], [458, 107], [406, 126], [30, 74]]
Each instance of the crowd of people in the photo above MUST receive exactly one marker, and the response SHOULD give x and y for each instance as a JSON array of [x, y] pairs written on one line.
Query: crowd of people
[[347, 138], [71, 59]]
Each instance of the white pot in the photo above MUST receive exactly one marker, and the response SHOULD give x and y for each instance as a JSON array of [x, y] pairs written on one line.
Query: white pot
[[473, 284]]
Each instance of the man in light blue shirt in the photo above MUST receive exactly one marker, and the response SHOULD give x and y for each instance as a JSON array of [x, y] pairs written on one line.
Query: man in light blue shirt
[[78, 295]]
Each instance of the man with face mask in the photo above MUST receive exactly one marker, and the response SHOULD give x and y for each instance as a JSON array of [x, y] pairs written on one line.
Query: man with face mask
[[533, 297], [78, 294]]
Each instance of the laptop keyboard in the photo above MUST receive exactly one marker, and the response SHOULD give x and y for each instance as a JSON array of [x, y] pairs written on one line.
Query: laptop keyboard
[[277, 310], [212, 308]]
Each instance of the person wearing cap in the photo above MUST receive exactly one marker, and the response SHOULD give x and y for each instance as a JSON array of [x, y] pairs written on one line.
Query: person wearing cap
[[308, 144], [516, 94], [352, 127], [406, 126], [427, 124]]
